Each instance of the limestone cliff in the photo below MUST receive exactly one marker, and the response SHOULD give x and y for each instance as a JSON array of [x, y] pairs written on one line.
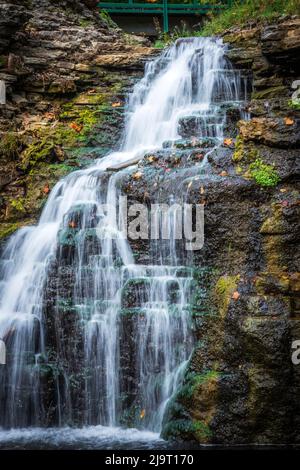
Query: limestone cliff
[[66, 70]]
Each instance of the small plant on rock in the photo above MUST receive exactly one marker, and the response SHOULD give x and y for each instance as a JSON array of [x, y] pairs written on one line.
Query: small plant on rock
[[264, 175]]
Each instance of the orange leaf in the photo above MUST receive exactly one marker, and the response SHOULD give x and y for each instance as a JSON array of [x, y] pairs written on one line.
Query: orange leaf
[[288, 121], [49, 116], [72, 224], [235, 295], [116, 105], [142, 415], [46, 189], [227, 142], [76, 127]]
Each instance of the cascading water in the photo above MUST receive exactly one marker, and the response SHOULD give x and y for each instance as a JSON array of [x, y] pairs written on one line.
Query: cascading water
[[118, 303]]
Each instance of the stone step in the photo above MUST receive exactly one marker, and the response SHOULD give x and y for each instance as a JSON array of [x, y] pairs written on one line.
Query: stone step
[[204, 126], [82, 216]]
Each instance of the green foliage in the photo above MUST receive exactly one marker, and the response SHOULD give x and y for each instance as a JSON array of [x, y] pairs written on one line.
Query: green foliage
[[249, 10], [202, 431], [224, 288], [104, 15], [263, 174], [165, 39], [8, 229], [84, 23], [294, 104]]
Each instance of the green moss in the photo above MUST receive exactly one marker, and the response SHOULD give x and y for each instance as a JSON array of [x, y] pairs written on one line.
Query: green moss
[[271, 92], [179, 429], [18, 204], [294, 104], [202, 431], [7, 229], [244, 153], [104, 15], [10, 145], [84, 23], [223, 291], [264, 175]]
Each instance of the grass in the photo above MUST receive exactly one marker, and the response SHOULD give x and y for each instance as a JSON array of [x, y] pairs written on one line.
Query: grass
[[239, 14], [249, 10]]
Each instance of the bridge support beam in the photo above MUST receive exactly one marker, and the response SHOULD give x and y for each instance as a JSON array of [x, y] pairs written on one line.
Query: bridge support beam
[[166, 16]]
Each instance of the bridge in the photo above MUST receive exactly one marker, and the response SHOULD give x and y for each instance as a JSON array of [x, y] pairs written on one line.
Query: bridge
[[163, 8]]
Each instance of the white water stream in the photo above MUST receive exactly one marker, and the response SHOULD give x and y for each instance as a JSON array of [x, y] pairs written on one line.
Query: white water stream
[[185, 80]]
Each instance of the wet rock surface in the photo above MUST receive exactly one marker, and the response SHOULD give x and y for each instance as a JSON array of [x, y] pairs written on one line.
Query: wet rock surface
[[241, 386]]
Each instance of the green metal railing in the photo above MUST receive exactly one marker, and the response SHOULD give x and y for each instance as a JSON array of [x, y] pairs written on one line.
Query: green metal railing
[[163, 8]]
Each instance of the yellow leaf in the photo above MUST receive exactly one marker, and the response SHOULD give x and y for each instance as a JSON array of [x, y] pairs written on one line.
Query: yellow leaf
[[142, 415], [227, 141], [288, 121], [116, 105], [137, 175]]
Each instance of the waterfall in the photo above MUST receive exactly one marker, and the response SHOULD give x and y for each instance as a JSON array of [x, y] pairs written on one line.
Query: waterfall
[[134, 327]]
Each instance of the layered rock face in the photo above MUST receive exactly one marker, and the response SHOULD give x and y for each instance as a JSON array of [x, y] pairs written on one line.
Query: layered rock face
[[66, 72], [242, 386]]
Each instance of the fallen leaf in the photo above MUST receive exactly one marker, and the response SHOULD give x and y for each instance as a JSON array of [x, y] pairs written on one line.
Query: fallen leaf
[[142, 415], [283, 190], [202, 190], [190, 184], [137, 175], [72, 224], [76, 127], [223, 173], [116, 105], [227, 141], [285, 203], [49, 116], [235, 295], [46, 189], [151, 159], [288, 121]]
